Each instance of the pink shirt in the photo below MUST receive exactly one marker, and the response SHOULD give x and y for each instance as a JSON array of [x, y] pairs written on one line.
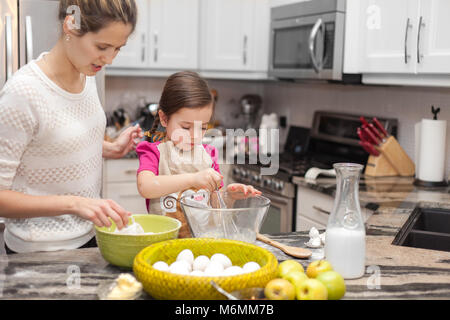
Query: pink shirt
[[149, 157]]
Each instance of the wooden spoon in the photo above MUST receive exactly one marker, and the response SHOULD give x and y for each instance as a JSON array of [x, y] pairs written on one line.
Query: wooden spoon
[[292, 251]]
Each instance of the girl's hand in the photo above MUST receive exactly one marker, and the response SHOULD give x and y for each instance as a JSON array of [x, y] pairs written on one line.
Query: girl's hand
[[208, 179], [242, 191], [99, 211], [127, 141]]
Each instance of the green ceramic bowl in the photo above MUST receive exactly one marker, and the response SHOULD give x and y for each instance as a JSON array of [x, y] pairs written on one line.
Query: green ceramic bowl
[[120, 249]]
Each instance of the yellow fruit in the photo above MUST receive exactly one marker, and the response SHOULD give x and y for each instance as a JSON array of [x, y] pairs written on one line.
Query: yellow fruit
[[287, 266], [279, 289], [317, 267], [312, 289]]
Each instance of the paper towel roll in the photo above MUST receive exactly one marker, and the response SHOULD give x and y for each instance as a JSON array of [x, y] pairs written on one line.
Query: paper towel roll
[[432, 151]]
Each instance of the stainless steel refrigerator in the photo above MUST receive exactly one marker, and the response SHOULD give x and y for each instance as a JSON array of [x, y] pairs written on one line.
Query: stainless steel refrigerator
[[28, 28]]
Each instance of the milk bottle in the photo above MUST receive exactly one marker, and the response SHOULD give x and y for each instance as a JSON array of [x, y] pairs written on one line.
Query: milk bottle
[[345, 245]]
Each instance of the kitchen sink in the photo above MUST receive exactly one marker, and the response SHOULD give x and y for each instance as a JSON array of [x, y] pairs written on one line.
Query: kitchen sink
[[427, 229]]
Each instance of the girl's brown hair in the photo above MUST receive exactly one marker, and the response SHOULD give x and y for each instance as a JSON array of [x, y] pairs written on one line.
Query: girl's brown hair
[[97, 14], [182, 90]]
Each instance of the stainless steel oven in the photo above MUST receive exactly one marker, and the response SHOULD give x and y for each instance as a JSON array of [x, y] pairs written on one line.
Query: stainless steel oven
[[307, 40], [279, 189]]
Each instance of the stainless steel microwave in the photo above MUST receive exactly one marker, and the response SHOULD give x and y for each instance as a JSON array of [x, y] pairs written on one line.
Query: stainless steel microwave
[[307, 40]]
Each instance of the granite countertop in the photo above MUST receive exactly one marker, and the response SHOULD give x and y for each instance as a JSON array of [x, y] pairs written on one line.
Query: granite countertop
[[405, 272], [393, 272]]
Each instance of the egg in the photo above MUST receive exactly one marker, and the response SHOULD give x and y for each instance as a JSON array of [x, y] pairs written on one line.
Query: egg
[[197, 273], [161, 266], [251, 266], [222, 259], [186, 264], [186, 255], [214, 269], [233, 270], [179, 267], [200, 263]]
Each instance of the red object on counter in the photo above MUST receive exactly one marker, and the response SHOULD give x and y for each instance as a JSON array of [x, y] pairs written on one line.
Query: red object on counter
[[380, 127], [370, 149], [371, 137]]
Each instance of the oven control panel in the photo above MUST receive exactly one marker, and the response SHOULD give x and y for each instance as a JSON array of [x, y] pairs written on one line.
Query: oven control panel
[[245, 175]]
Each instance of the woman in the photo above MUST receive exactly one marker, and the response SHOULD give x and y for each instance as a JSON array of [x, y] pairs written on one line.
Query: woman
[[51, 133]]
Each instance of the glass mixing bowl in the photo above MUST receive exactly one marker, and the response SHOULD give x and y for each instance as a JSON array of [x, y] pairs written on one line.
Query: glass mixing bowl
[[240, 220]]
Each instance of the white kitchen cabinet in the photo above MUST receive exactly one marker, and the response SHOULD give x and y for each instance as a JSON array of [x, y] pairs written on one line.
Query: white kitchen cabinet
[[166, 38], [120, 184], [390, 36], [433, 55], [174, 34], [314, 209], [404, 42], [135, 53], [235, 37]]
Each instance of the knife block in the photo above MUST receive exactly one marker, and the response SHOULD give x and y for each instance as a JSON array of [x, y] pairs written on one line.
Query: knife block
[[392, 161]]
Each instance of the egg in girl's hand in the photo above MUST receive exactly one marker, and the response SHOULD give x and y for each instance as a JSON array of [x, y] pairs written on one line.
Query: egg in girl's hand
[[222, 259], [214, 269], [186, 255], [233, 271], [197, 273], [180, 267], [251, 266], [161, 266], [200, 263]]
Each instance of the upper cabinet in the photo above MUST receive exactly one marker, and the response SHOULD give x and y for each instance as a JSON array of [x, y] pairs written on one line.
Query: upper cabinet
[[135, 53], [406, 39], [433, 48], [390, 35], [166, 37], [234, 36], [174, 34], [217, 38]]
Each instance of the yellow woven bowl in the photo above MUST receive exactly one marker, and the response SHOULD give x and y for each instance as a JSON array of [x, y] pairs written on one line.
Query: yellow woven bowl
[[165, 285]]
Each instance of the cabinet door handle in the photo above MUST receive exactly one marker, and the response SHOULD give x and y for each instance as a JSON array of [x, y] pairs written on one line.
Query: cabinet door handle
[[321, 210], [155, 39], [131, 171], [408, 26], [421, 25], [9, 49], [143, 48], [28, 39], [245, 50]]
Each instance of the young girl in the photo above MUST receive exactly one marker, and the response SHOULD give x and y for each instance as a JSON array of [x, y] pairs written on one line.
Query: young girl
[[179, 162]]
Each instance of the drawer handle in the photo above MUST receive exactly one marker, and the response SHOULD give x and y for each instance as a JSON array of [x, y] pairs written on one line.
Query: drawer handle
[[132, 171], [321, 210]]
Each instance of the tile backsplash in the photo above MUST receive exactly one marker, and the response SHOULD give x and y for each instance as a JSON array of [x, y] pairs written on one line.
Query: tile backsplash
[[299, 101]]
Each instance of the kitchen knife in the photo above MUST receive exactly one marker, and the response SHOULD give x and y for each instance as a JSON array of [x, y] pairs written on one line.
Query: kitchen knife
[[380, 127], [371, 137], [376, 132], [370, 149]]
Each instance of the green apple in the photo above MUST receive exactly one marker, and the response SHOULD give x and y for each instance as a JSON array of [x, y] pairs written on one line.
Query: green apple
[[317, 267], [279, 289], [287, 266], [334, 282], [296, 278], [312, 289]]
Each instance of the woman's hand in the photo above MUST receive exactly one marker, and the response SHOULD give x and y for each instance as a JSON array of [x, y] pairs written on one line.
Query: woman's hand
[[99, 211], [241, 191], [127, 141], [208, 179]]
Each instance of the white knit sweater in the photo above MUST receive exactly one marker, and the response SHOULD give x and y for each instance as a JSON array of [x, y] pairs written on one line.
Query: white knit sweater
[[50, 144]]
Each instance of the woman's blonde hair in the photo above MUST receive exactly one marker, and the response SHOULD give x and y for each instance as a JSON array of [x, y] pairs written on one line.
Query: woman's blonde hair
[[97, 14]]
